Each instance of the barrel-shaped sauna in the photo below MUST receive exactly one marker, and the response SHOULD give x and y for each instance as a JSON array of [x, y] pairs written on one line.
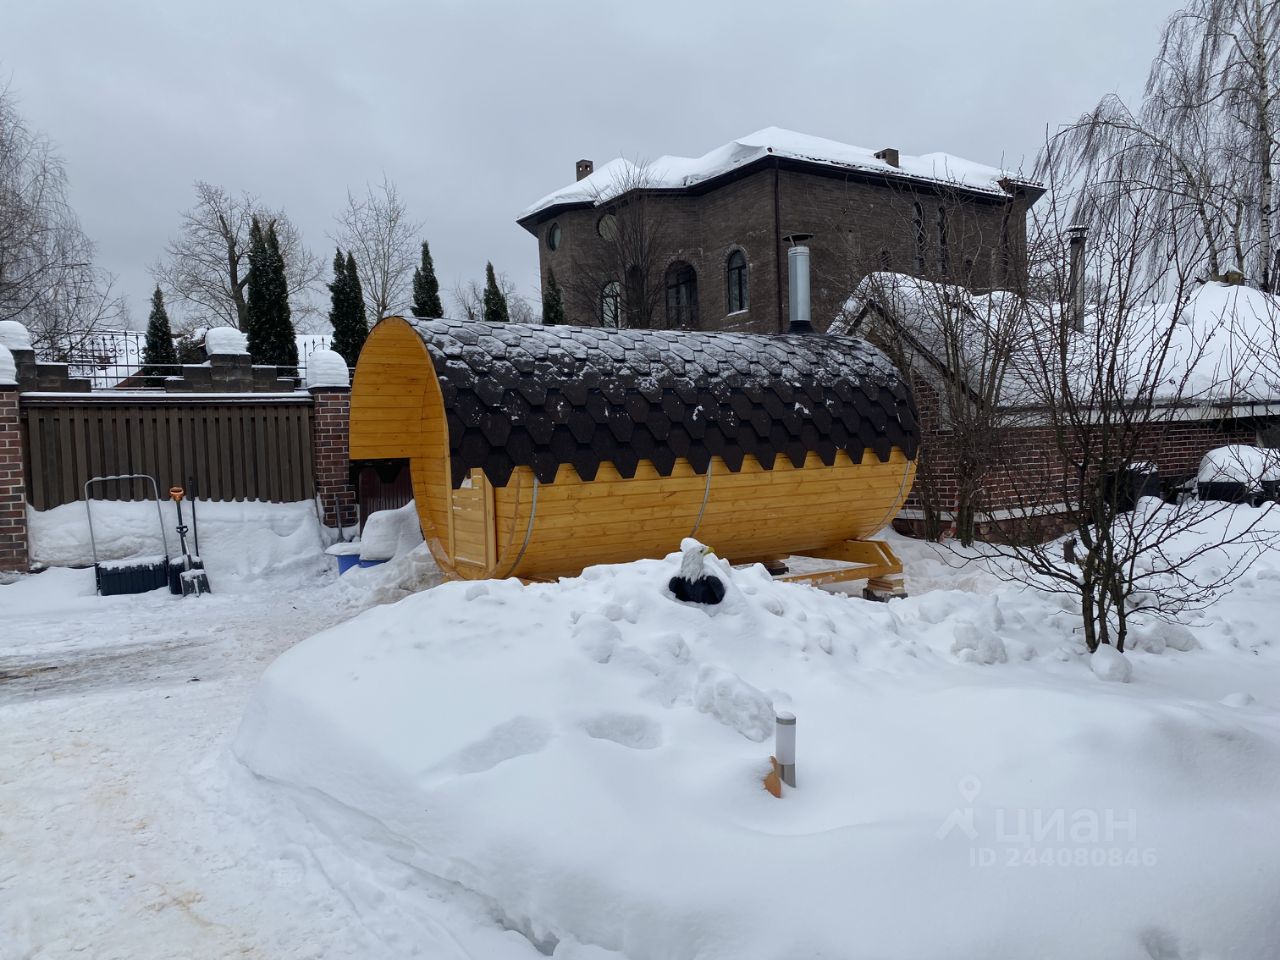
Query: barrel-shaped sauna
[[537, 451]]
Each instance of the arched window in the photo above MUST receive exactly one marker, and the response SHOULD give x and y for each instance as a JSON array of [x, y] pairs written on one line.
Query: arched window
[[610, 304], [921, 239], [944, 255], [736, 279], [553, 237], [682, 296]]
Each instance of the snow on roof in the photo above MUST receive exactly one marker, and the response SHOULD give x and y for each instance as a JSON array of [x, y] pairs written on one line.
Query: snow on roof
[[326, 368], [615, 177], [14, 335], [1222, 349], [8, 369]]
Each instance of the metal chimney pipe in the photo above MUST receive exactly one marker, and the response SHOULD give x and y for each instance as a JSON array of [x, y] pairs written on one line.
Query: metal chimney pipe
[[798, 289], [1077, 235]]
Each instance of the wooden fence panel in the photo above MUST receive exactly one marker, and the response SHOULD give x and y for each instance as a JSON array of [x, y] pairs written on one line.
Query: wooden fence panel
[[252, 449]]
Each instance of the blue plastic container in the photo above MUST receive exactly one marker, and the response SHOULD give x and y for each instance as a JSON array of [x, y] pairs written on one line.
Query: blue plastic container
[[371, 563], [346, 561]]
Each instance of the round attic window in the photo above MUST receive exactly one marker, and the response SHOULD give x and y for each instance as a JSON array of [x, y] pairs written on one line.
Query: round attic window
[[553, 237], [607, 227]]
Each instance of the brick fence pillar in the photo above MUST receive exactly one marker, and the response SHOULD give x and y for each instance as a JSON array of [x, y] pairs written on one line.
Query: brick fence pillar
[[330, 429], [13, 494]]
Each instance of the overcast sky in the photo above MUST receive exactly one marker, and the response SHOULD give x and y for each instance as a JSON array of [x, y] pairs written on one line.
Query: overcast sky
[[476, 110]]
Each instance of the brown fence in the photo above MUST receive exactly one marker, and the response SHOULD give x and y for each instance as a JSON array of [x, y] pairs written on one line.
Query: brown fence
[[221, 449]]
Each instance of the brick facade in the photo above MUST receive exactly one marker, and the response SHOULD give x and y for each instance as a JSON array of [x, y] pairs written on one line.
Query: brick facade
[[858, 224], [1026, 471], [13, 500], [330, 424]]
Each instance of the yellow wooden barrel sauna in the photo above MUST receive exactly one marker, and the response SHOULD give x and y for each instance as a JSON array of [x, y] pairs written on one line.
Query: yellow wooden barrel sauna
[[537, 451]]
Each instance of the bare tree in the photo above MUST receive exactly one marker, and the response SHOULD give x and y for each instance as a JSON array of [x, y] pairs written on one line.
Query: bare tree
[[1204, 140], [376, 229], [952, 343], [619, 274], [47, 277], [955, 347], [205, 270], [468, 297], [1108, 394]]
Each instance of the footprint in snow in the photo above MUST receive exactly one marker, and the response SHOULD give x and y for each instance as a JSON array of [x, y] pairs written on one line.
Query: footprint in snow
[[517, 737], [627, 729]]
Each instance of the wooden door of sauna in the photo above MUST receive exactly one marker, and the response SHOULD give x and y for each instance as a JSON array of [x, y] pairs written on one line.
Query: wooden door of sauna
[[471, 523]]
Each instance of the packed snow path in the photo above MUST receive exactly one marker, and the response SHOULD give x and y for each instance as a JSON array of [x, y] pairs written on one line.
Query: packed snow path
[[126, 833]]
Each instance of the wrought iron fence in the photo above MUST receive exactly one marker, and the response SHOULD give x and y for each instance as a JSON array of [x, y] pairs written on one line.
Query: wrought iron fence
[[113, 360]]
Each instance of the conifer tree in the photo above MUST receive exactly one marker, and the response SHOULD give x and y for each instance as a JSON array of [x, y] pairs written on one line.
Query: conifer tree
[[552, 302], [426, 289], [495, 304], [350, 326], [255, 291], [357, 293], [159, 349], [271, 335]]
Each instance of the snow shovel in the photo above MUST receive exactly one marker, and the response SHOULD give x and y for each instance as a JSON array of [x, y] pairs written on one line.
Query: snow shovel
[[193, 578]]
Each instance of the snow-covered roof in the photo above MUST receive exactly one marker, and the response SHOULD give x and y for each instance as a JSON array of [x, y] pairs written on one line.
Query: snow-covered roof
[[615, 177], [1222, 348]]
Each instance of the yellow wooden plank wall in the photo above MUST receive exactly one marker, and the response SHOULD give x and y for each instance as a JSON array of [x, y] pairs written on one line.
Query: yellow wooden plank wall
[[397, 411], [750, 513]]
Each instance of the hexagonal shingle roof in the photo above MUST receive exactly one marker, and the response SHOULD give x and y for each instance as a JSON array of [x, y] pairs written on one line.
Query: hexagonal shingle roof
[[535, 396]]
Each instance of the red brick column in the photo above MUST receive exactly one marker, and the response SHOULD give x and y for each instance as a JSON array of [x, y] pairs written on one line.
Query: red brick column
[[13, 494], [330, 429]]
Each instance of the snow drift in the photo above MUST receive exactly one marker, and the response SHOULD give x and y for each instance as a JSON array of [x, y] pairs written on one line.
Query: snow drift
[[587, 758]]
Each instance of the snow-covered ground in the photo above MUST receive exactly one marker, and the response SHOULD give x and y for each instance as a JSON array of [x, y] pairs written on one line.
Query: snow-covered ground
[[494, 770], [126, 828]]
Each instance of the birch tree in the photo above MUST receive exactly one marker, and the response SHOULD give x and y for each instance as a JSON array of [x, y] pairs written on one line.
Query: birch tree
[[1204, 140]]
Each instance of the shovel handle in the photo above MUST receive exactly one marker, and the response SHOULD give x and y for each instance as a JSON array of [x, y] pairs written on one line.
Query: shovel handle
[[176, 493]]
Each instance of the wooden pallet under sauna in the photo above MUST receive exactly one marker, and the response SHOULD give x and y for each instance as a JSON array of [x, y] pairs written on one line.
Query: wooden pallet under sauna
[[537, 451]]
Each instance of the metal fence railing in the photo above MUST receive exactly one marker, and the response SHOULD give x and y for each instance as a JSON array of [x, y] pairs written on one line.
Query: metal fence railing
[[113, 360]]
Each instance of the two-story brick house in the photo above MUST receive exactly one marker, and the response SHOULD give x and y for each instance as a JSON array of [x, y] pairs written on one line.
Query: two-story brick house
[[701, 243]]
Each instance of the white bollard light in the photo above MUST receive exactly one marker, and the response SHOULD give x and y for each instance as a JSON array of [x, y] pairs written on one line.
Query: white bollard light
[[784, 746]]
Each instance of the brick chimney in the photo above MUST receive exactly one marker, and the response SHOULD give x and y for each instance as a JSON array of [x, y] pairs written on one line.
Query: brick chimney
[[889, 155], [584, 169]]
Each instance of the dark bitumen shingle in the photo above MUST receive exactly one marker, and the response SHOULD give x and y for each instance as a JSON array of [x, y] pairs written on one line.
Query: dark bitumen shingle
[[520, 395]]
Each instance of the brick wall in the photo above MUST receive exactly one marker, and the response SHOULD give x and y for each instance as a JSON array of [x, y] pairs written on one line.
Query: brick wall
[[330, 422], [13, 501], [1026, 470]]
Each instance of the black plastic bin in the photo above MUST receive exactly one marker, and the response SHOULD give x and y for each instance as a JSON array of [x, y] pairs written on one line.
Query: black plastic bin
[[1126, 487], [140, 576], [1226, 491]]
